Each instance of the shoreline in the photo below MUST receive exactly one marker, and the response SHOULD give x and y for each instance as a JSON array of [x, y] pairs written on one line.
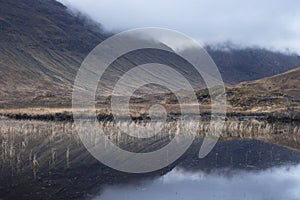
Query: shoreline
[[67, 115]]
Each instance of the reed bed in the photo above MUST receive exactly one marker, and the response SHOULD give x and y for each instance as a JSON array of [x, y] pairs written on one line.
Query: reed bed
[[31, 145]]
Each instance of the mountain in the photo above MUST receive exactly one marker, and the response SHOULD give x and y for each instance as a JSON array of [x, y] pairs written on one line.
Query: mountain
[[238, 65], [42, 45]]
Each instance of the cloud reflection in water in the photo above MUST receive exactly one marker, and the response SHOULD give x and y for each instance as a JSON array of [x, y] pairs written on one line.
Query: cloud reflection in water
[[272, 184]]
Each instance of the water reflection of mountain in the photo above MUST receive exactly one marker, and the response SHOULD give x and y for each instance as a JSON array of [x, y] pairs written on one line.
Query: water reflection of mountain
[[240, 154], [47, 160]]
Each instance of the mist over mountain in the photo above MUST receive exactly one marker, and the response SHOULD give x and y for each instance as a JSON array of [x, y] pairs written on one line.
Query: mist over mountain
[[266, 23], [42, 45]]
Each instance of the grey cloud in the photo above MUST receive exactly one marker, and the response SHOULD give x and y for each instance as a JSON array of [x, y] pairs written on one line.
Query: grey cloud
[[267, 23]]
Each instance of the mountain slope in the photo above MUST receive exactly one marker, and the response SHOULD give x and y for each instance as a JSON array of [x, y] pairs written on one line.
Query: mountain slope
[[42, 46], [287, 83]]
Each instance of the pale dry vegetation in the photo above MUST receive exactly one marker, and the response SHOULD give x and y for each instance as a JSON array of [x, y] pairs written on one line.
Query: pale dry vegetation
[[31, 145]]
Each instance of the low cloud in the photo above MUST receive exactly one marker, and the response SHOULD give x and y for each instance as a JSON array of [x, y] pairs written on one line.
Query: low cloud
[[265, 23]]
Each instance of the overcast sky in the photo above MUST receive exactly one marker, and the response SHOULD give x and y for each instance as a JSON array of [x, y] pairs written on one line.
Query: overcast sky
[[272, 24]]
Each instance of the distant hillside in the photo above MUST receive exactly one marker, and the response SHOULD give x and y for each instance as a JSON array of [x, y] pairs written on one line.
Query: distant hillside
[[238, 65], [287, 83], [279, 93], [42, 46]]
